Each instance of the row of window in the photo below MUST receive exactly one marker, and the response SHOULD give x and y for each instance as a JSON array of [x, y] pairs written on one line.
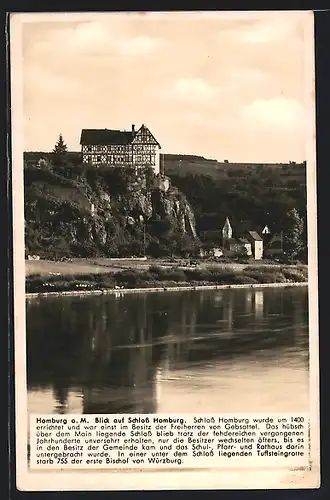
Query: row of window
[[144, 138], [119, 149], [107, 148], [149, 159], [146, 159], [145, 147]]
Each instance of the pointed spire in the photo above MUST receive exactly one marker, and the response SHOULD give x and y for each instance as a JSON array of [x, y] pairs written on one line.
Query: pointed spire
[[227, 231]]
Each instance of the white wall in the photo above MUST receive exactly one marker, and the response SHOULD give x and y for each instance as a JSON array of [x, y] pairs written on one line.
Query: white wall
[[258, 250], [157, 163]]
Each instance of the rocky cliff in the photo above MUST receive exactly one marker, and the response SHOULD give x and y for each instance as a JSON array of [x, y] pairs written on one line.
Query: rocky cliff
[[87, 211]]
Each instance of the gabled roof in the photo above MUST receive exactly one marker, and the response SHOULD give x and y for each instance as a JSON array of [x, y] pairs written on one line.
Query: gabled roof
[[145, 129], [255, 235], [265, 230], [105, 136], [227, 224]]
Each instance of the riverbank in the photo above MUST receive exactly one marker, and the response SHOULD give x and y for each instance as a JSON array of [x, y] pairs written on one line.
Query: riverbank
[[119, 292], [158, 278]]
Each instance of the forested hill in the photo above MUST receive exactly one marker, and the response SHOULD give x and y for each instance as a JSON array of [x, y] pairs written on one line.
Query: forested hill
[[262, 196]]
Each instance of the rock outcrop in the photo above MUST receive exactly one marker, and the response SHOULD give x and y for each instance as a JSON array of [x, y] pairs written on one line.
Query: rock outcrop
[[78, 217]]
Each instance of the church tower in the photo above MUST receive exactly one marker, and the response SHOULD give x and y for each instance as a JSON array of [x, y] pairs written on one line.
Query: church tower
[[227, 231]]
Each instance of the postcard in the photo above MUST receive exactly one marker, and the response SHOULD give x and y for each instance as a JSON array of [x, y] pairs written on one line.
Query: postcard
[[165, 250]]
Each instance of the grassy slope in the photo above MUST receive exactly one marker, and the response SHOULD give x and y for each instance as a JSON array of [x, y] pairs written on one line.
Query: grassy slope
[[95, 274], [183, 165], [102, 265]]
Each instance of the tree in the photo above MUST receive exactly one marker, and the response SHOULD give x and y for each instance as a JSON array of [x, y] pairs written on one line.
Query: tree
[[60, 146], [293, 240], [186, 245], [60, 157]]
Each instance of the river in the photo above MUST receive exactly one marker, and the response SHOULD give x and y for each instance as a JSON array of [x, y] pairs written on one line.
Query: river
[[231, 350]]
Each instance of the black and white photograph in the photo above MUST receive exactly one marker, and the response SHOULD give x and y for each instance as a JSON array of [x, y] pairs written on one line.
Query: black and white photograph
[[164, 197]]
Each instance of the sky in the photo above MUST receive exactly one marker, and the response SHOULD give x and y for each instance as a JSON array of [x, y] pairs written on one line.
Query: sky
[[220, 85]]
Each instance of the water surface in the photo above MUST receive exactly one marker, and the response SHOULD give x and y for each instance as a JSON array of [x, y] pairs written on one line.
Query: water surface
[[231, 350]]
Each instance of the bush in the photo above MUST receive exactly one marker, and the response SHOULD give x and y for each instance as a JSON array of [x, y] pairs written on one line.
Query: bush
[[198, 274], [86, 277], [295, 275], [267, 277], [157, 270], [243, 260], [128, 277], [241, 279], [248, 280], [174, 274], [106, 281], [214, 269], [223, 259], [34, 276], [225, 278], [147, 276], [302, 268], [34, 284], [61, 277], [262, 268]]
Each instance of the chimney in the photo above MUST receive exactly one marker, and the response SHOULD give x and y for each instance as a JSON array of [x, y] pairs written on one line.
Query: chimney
[[133, 129]]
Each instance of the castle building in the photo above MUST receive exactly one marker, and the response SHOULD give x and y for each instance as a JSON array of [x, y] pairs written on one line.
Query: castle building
[[137, 148]]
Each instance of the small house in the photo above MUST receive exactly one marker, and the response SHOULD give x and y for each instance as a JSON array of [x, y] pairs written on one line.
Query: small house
[[241, 241], [237, 247], [256, 243]]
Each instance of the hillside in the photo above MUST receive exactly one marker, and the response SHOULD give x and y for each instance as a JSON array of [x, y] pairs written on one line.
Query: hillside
[[81, 211], [182, 165], [203, 193]]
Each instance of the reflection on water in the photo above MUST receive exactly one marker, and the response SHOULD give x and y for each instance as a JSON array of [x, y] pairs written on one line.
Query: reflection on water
[[188, 351]]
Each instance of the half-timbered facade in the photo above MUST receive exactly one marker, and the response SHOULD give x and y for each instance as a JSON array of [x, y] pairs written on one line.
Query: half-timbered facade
[[120, 148]]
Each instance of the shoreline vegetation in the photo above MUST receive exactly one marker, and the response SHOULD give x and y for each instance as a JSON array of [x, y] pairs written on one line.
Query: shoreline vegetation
[[144, 276], [113, 291]]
